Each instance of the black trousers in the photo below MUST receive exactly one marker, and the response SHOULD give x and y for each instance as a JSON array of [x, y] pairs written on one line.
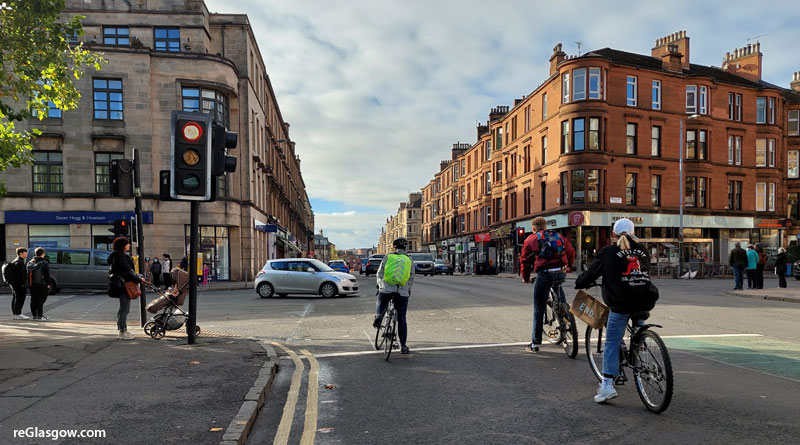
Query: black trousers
[[38, 297], [18, 299], [782, 278], [156, 279], [760, 276]]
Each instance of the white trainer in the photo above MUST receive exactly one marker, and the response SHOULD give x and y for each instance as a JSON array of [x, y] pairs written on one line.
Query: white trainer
[[22, 317], [605, 393], [125, 335]]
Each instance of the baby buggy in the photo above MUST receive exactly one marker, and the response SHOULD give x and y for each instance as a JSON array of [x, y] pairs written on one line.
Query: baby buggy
[[167, 308]]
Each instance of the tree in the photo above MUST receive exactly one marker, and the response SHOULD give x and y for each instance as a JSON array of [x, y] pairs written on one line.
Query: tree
[[38, 68]]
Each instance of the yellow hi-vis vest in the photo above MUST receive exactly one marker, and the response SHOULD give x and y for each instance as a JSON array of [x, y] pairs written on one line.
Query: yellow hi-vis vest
[[397, 269]]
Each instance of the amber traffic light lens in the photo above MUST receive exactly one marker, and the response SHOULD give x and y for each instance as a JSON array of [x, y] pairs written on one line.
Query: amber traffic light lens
[[190, 157]]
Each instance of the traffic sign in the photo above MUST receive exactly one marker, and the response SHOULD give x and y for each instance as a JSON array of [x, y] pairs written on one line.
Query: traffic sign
[[576, 218]]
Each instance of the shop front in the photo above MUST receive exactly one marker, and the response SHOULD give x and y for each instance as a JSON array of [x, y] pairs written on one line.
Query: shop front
[[215, 249]]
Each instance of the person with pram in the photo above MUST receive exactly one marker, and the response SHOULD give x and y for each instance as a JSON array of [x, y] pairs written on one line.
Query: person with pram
[[167, 307], [120, 271]]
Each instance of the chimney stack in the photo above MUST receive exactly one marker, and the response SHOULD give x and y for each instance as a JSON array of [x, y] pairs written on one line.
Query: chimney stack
[[557, 57], [459, 148], [672, 49], [482, 130], [795, 83], [745, 62], [498, 112], [443, 165]]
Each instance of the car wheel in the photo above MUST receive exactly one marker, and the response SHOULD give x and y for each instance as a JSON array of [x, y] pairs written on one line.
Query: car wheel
[[53, 288], [265, 290], [327, 290]]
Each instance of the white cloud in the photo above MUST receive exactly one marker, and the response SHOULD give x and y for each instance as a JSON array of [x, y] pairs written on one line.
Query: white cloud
[[377, 91]]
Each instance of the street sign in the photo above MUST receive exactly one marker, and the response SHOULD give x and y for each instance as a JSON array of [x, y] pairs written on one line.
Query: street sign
[[615, 200], [576, 218]]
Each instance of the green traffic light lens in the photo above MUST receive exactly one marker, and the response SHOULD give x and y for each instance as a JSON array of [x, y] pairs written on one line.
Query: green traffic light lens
[[191, 182]]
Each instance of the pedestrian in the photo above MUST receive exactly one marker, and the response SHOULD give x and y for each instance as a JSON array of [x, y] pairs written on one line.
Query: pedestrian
[[752, 261], [762, 261], [155, 272], [627, 289], [184, 264], [14, 275], [462, 267], [38, 270], [548, 254], [120, 271], [205, 274], [738, 260], [780, 267], [395, 277], [165, 270]]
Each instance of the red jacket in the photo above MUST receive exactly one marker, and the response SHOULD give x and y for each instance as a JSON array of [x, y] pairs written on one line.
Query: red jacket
[[530, 250]]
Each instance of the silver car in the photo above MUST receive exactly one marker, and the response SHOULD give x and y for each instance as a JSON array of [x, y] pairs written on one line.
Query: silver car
[[303, 276]]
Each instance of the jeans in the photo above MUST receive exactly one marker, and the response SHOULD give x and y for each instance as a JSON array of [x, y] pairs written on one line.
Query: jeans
[[38, 297], [18, 300], [541, 289], [615, 330], [738, 272], [401, 304], [122, 314], [751, 278]]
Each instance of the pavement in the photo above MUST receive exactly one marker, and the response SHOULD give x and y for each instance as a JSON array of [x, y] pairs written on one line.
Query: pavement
[[59, 375]]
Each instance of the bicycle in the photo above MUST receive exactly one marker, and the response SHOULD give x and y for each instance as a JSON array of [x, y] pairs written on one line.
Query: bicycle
[[559, 325], [386, 334], [647, 357]]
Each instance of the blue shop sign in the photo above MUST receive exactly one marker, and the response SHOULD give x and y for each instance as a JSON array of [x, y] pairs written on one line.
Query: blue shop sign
[[25, 217], [267, 228]]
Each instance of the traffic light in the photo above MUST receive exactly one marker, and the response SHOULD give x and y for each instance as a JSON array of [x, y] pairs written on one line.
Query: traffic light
[[222, 140], [520, 235], [190, 159], [121, 178], [121, 228]]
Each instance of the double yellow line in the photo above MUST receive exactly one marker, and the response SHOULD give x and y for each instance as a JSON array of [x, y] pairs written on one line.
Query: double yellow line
[[312, 399]]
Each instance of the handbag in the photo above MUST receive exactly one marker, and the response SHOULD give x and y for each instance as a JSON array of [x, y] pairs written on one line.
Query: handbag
[[589, 309], [133, 290]]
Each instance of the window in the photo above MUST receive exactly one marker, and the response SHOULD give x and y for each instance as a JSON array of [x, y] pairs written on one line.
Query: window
[[696, 149], [655, 190], [731, 107], [761, 196], [703, 100], [206, 101], [463, 224], [564, 197], [578, 186], [107, 99], [772, 110], [655, 141], [701, 192], [564, 136], [702, 145], [527, 118], [544, 150], [117, 36], [656, 95], [513, 128], [738, 150], [507, 134], [512, 209], [544, 107], [771, 152], [690, 192], [526, 201], [631, 91], [578, 132], [498, 143], [793, 167], [761, 152], [488, 183], [526, 152], [730, 150], [72, 37], [594, 133], [487, 150], [498, 171], [794, 122], [691, 99], [488, 216], [593, 186], [222, 186], [594, 83], [102, 171], [168, 39], [630, 139], [761, 110], [630, 189], [565, 88], [579, 84], [47, 172], [771, 197], [734, 195], [739, 107], [543, 187]]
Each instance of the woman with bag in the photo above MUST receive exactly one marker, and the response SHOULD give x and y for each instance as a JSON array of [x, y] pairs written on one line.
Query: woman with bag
[[762, 261], [626, 289], [780, 267], [120, 272]]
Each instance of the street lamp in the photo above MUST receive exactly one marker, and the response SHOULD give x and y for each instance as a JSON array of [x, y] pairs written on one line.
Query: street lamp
[[681, 187]]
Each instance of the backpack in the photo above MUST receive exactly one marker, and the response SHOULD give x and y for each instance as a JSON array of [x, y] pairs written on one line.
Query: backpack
[[35, 270], [636, 282], [397, 269], [551, 245], [7, 279]]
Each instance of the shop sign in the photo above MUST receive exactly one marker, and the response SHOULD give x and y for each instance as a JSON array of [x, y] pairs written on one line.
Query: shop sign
[[28, 217], [459, 247], [475, 249], [266, 228], [483, 237], [771, 223], [634, 219], [576, 218]]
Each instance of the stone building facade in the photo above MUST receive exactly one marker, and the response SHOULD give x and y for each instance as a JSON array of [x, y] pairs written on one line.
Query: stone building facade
[[602, 138], [406, 223], [163, 55]]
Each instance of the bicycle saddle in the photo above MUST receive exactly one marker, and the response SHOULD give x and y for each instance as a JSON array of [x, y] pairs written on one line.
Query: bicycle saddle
[[640, 315]]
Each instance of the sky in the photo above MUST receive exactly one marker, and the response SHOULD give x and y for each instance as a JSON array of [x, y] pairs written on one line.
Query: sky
[[377, 91]]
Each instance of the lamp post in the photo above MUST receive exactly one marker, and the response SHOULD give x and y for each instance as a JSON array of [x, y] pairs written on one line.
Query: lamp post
[[681, 187]]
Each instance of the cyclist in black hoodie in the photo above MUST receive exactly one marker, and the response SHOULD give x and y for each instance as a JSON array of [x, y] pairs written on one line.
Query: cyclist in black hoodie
[[626, 289]]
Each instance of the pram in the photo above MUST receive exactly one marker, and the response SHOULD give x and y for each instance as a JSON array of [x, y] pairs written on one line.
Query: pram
[[169, 315]]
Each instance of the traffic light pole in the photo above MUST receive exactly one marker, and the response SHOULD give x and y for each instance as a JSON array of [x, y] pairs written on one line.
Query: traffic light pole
[[194, 232], [137, 199]]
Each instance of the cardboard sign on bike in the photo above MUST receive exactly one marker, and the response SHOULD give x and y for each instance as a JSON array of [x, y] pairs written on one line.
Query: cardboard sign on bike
[[592, 311]]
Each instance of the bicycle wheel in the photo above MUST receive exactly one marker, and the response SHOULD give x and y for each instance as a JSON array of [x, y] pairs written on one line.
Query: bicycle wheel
[[552, 330], [380, 333], [570, 334], [653, 372], [391, 334], [594, 351]]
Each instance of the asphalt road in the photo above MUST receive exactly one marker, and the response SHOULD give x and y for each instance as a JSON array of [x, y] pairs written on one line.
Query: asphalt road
[[736, 362]]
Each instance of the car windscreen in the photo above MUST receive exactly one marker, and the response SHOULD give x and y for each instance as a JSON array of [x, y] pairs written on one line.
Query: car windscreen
[[319, 265], [421, 257]]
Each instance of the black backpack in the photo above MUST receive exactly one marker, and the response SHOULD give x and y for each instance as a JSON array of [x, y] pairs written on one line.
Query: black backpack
[[35, 271]]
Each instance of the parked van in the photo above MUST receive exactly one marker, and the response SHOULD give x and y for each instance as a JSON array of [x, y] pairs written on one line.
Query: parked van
[[77, 268]]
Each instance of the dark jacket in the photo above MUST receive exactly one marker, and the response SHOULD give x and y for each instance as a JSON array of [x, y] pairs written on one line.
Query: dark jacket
[[626, 283], [120, 268], [762, 258], [738, 257], [530, 255], [45, 271], [17, 274], [780, 264]]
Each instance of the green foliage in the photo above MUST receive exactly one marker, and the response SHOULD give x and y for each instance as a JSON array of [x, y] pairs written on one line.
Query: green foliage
[[37, 66]]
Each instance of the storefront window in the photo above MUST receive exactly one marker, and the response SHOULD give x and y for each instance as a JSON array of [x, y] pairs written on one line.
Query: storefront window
[[48, 236], [215, 247], [102, 237]]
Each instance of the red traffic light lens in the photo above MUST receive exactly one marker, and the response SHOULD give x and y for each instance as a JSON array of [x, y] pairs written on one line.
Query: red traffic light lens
[[122, 223], [192, 131]]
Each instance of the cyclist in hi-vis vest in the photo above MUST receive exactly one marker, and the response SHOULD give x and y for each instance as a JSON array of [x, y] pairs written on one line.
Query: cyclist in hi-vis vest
[[395, 277]]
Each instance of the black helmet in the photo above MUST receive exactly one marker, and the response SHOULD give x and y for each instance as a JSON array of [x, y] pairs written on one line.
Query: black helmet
[[400, 243]]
